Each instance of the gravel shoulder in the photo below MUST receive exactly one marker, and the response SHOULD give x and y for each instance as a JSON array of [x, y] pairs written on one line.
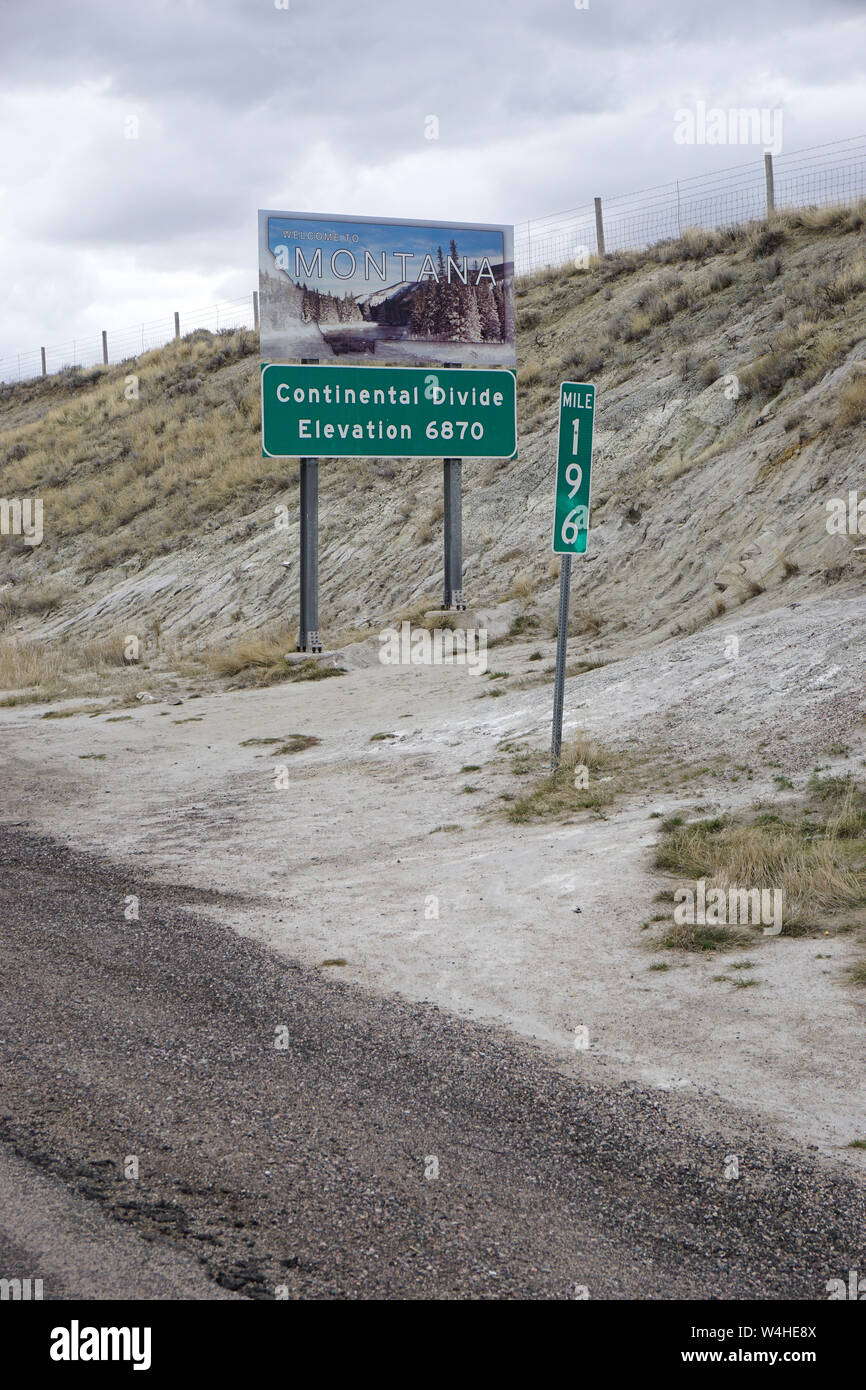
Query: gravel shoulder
[[52, 1231], [303, 1160]]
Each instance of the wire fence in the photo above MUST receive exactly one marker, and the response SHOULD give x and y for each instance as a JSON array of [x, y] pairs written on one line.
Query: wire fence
[[124, 344], [833, 173], [822, 174]]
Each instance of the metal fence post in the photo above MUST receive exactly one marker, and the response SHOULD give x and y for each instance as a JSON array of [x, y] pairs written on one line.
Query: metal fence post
[[256, 310], [768, 175], [44, 368], [176, 324], [599, 228], [452, 503], [104, 348], [308, 626]]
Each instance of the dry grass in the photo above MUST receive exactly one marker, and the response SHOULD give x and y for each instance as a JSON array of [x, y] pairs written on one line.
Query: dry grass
[[413, 614], [30, 666], [817, 858], [250, 652], [262, 656], [137, 475], [827, 349], [27, 600], [523, 588], [556, 797], [612, 774], [852, 402], [767, 375], [101, 652], [695, 244], [584, 621], [38, 670], [802, 352], [850, 282], [834, 217], [813, 875], [764, 238], [708, 372], [719, 280], [296, 743], [675, 467], [529, 374], [656, 311], [586, 751], [258, 661]]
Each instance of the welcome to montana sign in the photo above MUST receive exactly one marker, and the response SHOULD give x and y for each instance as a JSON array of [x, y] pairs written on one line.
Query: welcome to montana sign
[[375, 291]]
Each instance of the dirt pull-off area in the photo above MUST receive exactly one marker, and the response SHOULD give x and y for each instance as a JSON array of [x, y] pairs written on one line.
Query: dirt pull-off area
[[393, 857]]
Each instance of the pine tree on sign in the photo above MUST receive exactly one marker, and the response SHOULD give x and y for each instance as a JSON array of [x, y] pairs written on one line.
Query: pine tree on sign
[[499, 298], [439, 287], [490, 329], [452, 315], [470, 318]]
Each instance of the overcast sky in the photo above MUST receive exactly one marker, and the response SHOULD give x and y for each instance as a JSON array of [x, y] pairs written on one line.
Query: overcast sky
[[324, 106]]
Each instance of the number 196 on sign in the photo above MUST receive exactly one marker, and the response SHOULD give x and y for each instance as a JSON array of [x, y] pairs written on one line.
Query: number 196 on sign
[[574, 467]]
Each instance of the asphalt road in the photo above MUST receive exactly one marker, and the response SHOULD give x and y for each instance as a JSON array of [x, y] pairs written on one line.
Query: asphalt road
[[296, 1136]]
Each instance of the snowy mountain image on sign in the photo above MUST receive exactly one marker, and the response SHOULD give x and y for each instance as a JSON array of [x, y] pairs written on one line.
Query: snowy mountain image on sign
[[356, 290]]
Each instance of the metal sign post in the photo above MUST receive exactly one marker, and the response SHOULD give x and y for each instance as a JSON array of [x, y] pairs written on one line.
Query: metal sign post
[[571, 521], [452, 495], [452, 501], [308, 626], [559, 678]]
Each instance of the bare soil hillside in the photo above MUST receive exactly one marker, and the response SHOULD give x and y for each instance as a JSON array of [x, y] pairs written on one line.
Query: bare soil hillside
[[730, 409]]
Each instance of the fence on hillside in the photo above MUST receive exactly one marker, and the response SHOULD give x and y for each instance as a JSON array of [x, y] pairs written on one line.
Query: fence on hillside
[[126, 343], [832, 173]]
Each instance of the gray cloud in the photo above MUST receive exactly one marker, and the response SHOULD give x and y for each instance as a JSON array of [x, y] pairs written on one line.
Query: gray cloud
[[323, 106]]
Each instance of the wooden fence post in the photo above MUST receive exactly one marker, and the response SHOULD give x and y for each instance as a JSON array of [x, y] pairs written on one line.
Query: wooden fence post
[[768, 175], [599, 228]]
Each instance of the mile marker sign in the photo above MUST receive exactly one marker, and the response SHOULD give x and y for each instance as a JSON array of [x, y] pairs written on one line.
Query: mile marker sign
[[570, 520], [574, 467]]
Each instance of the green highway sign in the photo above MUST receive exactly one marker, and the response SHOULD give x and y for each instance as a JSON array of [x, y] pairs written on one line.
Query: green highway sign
[[573, 468], [399, 412]]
